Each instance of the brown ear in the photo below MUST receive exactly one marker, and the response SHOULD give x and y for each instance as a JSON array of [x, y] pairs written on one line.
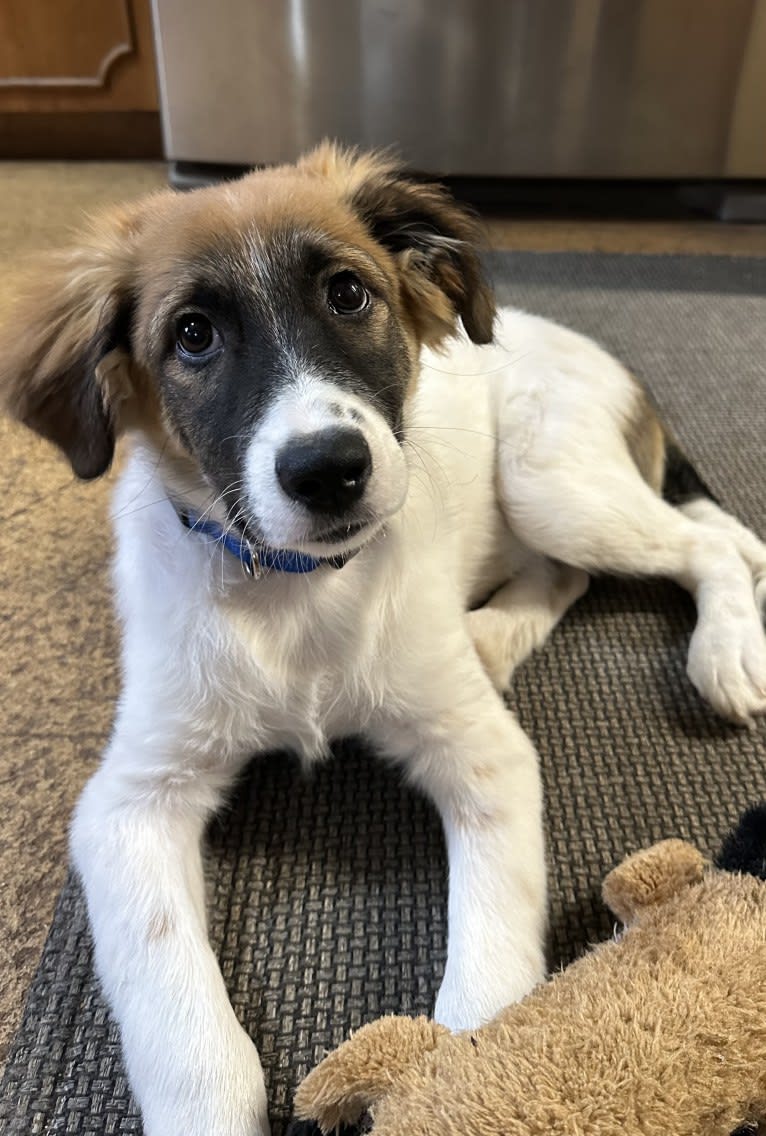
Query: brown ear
[[435, 241], [62, 370]]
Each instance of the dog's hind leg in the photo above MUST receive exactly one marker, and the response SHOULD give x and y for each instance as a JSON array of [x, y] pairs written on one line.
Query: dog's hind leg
[[520, 616], [605, 518], [751, 549]]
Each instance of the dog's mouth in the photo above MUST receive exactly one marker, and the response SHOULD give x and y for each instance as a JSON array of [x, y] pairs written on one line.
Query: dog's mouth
[[341, 539], [324, 543], [342, 534]]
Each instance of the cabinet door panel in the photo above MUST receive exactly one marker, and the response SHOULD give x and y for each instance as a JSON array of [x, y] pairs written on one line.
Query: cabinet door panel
[[76, 55]]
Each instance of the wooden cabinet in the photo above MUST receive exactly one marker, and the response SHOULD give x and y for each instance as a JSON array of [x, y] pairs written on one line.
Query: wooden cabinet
[[78, 79]]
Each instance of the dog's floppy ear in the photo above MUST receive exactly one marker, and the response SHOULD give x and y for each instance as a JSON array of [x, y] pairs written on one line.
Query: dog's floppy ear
[[434, 240], [63, 368]]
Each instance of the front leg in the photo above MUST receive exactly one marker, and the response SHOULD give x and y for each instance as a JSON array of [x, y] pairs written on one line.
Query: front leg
[[136, 843], [469, 754]]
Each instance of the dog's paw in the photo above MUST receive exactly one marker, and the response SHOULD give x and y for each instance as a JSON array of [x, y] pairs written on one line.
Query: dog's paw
[[504, 636], [224, 1094], [728, 668], [489, 631]]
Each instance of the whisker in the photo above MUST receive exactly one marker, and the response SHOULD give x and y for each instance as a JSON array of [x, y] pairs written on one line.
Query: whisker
[[149, 480], [232, 486], [140, 508], [125, 512], [467, 430], [433, 486], [227, 528], [478, 374], [236, 437], [445, 443]]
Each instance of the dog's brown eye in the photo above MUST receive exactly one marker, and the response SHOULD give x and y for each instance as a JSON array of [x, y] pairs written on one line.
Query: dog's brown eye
[[347, 294], [195, 334]]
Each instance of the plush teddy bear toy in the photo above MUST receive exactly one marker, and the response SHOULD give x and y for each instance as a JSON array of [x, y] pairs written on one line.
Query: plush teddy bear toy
[[661, 1032]]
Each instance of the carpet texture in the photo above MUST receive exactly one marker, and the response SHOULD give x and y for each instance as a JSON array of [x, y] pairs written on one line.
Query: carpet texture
[[57, 647], [327, 895]]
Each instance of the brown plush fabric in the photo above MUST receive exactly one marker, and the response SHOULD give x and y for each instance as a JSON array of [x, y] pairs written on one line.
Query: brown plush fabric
[[652, 877], [660, 1033]]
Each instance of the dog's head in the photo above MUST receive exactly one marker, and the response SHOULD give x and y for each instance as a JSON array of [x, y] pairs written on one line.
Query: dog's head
[[266, 332]]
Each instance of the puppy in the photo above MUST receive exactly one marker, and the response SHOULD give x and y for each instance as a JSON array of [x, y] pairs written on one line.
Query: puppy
[[313, 507]]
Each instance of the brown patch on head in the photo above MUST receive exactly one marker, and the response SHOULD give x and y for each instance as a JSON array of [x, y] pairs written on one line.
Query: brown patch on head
[[80, 357], [433, 240], [645, 440], [421, 239]]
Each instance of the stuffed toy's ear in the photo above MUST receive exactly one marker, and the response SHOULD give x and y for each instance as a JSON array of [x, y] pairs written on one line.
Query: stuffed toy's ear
[[434, 240], [364, 1069], [649, 878], [63, 366]]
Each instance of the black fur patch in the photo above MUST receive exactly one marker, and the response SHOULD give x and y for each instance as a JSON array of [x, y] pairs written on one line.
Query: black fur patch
[[311, 1128], [273, 317], [73, 414], [681, 482]]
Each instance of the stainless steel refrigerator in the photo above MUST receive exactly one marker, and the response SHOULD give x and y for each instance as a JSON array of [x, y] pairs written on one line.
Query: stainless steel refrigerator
[[545, 88]]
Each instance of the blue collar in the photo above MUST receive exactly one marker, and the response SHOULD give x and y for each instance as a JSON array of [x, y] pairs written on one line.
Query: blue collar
[[255, 563]]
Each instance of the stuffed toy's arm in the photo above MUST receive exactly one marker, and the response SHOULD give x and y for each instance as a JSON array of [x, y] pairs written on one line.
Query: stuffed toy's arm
[[362, 1070]]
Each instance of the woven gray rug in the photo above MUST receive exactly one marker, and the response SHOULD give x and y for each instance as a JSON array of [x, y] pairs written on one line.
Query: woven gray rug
[[327, 896]]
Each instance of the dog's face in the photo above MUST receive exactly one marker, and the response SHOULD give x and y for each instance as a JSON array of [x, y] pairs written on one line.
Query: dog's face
[[266, 333]]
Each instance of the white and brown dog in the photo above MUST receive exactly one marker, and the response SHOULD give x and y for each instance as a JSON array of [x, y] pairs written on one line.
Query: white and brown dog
[[267, 345]]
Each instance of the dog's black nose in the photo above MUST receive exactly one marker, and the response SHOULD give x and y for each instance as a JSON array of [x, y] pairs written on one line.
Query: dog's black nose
[[327, 471]]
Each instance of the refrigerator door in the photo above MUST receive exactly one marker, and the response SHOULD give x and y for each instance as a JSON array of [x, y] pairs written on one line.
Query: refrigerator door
[[570, 88]]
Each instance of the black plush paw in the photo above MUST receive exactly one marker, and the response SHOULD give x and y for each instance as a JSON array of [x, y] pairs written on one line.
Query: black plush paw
[[744, 849]]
